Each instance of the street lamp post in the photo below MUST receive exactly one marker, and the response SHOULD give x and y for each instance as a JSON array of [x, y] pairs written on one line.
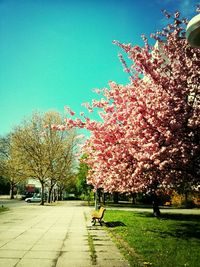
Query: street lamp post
[[193, 31]]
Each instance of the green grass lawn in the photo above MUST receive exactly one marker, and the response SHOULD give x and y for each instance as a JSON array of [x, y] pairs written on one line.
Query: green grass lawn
[[172, 241]]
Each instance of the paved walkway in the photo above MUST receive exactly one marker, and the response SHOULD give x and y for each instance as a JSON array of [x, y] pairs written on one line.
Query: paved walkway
[[55, 236]]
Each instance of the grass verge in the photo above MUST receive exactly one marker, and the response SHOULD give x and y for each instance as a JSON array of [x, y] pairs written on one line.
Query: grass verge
[[173, 240], [93, 254], [92, 249]]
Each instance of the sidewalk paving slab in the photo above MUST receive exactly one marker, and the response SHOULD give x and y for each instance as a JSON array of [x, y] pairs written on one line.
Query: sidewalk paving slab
[[54, 236]]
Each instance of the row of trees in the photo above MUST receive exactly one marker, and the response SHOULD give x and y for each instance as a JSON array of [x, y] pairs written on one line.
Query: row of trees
[[35, 150], [148, 136]]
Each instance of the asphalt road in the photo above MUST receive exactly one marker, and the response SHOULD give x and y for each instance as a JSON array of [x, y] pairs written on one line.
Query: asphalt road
[[6, 202], [12, 203]]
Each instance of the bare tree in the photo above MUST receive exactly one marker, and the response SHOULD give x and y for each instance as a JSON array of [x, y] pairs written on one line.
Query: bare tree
[[45, 153], [61, 147]]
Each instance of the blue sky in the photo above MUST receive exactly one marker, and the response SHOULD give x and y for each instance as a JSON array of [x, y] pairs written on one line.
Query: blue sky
[[54, 52]]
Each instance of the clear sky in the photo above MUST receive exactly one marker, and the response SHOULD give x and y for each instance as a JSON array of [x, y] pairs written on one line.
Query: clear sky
[[54, 52]]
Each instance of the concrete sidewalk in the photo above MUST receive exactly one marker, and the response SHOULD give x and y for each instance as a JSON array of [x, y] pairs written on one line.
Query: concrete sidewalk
[[55, 236]]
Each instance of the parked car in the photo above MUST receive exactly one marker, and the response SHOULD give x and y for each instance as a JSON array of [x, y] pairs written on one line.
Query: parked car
[[27, 195], [36, 198]]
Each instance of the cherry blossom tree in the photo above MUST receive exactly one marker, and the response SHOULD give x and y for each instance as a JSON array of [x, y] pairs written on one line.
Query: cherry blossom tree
[[148, 134]]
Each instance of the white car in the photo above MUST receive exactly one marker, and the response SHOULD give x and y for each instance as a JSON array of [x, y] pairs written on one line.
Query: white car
[[33, 199]]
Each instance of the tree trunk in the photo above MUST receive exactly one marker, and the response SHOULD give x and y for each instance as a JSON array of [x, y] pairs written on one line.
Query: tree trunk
[[186, 196], [50, 195], [96, 200], [99, 195], [133, 195], [156, 210], [12, 191], [42, 193], [116, 197], [55, 196], [60, 195], [104, 198]]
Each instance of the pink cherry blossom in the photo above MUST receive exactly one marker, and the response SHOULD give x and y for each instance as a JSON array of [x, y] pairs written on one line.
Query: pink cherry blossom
[[148, 133]]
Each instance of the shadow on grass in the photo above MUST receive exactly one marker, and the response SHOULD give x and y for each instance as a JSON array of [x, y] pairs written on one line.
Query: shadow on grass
[[181, 217], [183, 231], [173, 216], [114, 224], [183, 226]]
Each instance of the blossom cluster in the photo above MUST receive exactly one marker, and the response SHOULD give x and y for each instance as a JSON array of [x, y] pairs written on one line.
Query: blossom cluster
[[149, 132]]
